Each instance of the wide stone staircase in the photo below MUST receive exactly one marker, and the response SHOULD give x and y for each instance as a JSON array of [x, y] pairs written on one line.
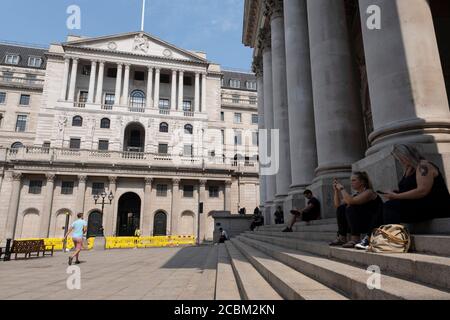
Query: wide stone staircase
[[269, 265]]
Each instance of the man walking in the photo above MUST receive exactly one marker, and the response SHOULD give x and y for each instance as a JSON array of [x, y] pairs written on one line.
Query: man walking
[[79, 228]]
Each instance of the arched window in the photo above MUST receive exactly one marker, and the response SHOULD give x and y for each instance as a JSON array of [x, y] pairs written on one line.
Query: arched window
[[137, 99], [188, 129], [163, 127], [77, 121], [105, 123], [17, 145]]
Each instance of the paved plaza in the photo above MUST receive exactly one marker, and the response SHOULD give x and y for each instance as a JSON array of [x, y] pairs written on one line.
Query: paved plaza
[[187, 273]]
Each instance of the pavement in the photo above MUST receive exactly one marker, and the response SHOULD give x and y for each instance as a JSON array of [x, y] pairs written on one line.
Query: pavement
[[186, 273]]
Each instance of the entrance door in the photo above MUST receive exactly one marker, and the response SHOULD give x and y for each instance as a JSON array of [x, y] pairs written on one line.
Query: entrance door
[[95, 225], [160, 224], [129, 214]]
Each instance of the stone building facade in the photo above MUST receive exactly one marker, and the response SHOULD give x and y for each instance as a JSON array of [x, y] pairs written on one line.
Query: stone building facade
[[342, 93], [154, 129]]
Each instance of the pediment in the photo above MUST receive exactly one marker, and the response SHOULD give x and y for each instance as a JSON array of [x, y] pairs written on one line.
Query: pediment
[[140, 43]]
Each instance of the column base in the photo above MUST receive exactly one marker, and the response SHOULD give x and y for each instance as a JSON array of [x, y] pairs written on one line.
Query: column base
[[268, 213]]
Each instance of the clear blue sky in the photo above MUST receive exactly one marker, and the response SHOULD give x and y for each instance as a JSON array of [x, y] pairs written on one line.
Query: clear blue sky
[[213, 26]]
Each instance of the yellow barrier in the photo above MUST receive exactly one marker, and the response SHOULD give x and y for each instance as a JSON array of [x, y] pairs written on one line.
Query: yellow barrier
[[58, 242], [147, 242]]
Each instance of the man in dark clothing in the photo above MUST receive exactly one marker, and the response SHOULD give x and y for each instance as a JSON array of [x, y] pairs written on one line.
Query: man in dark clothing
[[258, 219], [310, 213], [279, 216]]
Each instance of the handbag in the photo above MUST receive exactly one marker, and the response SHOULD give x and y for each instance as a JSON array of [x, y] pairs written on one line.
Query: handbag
[[392, 238]]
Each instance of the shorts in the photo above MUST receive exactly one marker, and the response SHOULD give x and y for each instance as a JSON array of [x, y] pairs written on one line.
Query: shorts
[[309, 216], [78, 242]]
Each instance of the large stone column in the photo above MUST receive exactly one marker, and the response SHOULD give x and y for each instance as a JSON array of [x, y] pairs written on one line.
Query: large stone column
[[11, 219], [126, 85], [203, 105], [101, 76], [302, 132], [65, 79], [337, 109], [149, 100], [228, 196], [47, 208], [268, 116], [81, 192], [92, 82], [180, 90], [197, 92], [280, 103], [73, 79], [173, 91], [109, 220], [157, 86], [118, 84], [175, 214], [147, 215]]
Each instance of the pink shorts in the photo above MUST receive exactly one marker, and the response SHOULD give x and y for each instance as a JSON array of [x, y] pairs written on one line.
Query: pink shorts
[[78, 243]]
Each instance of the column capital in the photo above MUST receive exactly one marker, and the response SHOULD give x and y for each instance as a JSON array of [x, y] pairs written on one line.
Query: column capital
[[120, 64], [257, 65], [112, 179], [50, 177], [174, 71], [16, 176], [202, 182], [101, 62], [228, 183], [181, 72], [158, 70], [94, 61], [67, 59], [127, 65], [150, 68], [274, 8], [265, 38], [75, 59], [148, 181], [82, 178], [176, 181]]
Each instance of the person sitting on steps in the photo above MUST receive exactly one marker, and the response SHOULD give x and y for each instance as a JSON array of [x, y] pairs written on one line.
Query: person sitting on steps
[[258, 219], [279, 216], [309, 213], [422, 194], [357, 214]]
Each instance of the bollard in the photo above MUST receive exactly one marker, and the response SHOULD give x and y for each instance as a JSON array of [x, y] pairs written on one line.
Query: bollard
[[8, 250]]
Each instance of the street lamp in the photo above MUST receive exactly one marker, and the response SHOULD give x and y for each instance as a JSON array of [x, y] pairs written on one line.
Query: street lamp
[[103, 196], [66, 228]]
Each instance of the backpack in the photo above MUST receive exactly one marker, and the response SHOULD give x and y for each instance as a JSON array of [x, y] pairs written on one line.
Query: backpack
[[392, 238]]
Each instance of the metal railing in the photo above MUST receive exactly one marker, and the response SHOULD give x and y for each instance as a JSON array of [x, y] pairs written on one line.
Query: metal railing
[[22, 81]]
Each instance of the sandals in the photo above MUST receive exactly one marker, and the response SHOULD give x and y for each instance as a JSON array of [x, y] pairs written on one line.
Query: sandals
[[350, 245], [337, 242]]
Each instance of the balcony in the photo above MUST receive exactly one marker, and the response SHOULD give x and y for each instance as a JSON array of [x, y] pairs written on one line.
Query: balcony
[[238, 102], [124, 158], [11, 81]]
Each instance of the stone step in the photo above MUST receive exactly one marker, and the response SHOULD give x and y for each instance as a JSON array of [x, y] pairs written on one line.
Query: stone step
[[431, 270], [291, 284], [347, 278], [252, 286], [311, 236], [226, 286], [436, 226], [331, 221]]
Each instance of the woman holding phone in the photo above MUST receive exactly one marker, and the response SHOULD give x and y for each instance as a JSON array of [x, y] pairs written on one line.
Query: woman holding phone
[[357, 214], [422, 193]]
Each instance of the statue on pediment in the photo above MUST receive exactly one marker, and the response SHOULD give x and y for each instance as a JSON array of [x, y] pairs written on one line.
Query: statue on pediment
[[141, 43]]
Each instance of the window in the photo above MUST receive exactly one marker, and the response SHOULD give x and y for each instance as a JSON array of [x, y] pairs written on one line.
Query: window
[[188, 191], [111, 73], [251, 85], [109, 99], [86, 70], [163, 127], [237, 117], [75, 143], [164, 104], [35, 62], [7, 76], [255, 138], [35, 187], [103, 145], [161, 190], [31, 78], [12, 59], [213, 191], [223, 136], [46, 145], [236, 98], [238, 138], [222, 116], [187, 105], [235, 83], [1, 119], [188, 150], [187, 81], [188, 129], [17, 145], [163, 148], [139, 76], [137, 99], [77, 121], [2, 97], [98, 188], [67, 187], [255, 119], [252, 100], [83, 96], [21, 123], [105, 123], [164, 78], [24, 100]]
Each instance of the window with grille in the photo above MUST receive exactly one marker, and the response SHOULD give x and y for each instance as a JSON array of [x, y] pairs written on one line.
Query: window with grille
[[164, 127], [161, 190], [35, 187], [98, 188], [188, 129], [188, 150], [67, 187], [12, 59], [75, 143], [237, 118], [236, 98], [2, 97], [213, 191], [77, 121], [163, 148], [187, 105], [164, 104], [188, 191], [251, 85], [24, 99], [235, 83], [252, 100], [137, 99], [109, 99], [105, 123], [255, 119], [35, 62], [238, 138], [103, 145], [86, 70], [255, 138], [21, 123]]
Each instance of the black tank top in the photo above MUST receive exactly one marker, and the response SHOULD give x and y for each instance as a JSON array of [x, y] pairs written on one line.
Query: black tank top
[[438, 199]]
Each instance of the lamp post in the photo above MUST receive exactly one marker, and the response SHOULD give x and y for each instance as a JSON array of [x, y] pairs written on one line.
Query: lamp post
[[103, 196], [66, 227]]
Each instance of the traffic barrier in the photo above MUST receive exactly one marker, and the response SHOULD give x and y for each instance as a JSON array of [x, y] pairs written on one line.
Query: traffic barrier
[[58, 243], [147, 242]]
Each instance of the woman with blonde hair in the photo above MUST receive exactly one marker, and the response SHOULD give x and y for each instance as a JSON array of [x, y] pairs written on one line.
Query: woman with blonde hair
[[356, 214], [422, 192]]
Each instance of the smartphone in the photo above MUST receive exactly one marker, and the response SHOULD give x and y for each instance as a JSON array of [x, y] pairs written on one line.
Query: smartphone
[[381, 192]]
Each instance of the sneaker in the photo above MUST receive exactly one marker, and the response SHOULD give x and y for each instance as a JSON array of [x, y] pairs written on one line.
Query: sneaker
[[77, 262], [364, 244], [70, 261], [287, 230]]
